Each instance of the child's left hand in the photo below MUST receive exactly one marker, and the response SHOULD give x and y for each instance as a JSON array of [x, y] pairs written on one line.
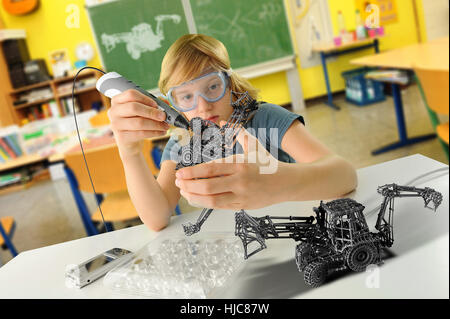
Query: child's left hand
[[243, 181]]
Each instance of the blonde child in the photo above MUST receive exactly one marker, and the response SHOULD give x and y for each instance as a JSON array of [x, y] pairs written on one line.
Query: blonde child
[[197, 77]]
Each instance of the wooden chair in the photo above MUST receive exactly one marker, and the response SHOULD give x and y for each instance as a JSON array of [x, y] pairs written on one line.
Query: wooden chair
[[108, 177], [433, 85], [7, 227]]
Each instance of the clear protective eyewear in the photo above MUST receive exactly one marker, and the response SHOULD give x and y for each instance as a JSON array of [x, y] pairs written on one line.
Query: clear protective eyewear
[[211, 87]]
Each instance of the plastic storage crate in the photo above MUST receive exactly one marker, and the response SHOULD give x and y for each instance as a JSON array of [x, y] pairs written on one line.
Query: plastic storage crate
[[361, 91]]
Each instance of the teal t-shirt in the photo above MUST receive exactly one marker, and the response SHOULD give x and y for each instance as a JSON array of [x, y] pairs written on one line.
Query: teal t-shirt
[[269, 124]]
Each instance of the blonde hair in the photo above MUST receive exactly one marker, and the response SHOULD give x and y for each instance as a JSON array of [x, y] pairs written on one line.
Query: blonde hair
[[193, 53]]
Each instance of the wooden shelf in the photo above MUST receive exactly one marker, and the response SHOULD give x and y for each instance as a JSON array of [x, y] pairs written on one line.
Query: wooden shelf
[[30, 87], [71, 77], [22, 106], [86, 95], [79, 91], [21, 161]]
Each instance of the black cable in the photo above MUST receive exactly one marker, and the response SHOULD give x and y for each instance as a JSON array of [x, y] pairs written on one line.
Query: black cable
[[79, 138]]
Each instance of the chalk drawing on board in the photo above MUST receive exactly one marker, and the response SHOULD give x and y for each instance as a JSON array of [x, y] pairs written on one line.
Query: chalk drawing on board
[[270, 12], [233, 27], [141, 38], [202, 3]]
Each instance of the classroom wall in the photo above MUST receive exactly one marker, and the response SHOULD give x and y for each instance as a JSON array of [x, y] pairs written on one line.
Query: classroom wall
[[46, 30]]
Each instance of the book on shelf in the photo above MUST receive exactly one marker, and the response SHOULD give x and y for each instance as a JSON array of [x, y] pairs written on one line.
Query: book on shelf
[[68, 105], [10, 146], [35, 113], [54, 108], [46, 112], [7, 149], [13, 142], [4, 157]]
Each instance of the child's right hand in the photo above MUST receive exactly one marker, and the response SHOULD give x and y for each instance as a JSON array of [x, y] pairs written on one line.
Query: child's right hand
[[135, 117]]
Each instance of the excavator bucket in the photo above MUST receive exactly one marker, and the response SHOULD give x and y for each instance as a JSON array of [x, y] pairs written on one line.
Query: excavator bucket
[[429, 195]]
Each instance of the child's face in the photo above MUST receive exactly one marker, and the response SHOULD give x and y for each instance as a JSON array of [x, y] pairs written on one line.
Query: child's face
[[213, 111]]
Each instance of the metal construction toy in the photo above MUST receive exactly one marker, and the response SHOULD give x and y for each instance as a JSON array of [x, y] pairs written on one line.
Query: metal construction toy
[[337, 238], [207, 145]]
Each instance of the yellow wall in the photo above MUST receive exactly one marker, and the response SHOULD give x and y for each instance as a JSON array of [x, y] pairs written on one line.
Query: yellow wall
[[46, 31]]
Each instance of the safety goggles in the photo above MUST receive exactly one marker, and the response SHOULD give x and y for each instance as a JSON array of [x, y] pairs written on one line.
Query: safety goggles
[[211, 87]]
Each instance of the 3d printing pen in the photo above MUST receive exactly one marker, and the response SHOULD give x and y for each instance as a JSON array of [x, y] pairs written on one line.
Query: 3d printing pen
[[113, 83]]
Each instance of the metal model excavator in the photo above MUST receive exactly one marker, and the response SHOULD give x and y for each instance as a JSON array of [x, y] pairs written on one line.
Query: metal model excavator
[[337, 237]]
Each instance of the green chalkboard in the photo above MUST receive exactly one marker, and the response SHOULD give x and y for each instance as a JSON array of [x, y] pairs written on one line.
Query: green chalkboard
[[134, 35], [254, 31]]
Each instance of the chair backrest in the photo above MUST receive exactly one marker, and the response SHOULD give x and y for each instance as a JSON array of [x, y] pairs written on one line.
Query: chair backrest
[[105, 166], [100, 119], [435, 86]]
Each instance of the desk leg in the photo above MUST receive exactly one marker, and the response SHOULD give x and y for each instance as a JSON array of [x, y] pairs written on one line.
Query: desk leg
[[8, 242], [376, 46], [327, 82], [402, 134]]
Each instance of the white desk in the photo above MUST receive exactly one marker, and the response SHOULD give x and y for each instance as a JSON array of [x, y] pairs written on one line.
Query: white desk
[[419, 269]]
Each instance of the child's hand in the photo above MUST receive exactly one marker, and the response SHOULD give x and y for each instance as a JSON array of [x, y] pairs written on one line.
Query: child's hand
[[242, 181], [135, 117]]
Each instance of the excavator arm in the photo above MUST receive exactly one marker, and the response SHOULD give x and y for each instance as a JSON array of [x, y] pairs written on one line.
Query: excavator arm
[[257, 229], [391, 191]]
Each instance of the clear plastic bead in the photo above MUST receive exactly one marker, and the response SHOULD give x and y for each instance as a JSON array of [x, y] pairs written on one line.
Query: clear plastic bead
[[181, 267]]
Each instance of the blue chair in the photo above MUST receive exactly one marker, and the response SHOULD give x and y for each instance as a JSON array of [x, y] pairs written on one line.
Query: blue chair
[[108, 177], [7, 228], [89, 226]]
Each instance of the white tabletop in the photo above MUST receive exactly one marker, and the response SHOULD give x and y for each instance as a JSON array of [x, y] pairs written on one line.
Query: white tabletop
[[418, 265]]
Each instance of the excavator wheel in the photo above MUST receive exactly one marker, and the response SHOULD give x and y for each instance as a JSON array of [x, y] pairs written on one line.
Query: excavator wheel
[[302, 255], [315, 274], [361, 255]]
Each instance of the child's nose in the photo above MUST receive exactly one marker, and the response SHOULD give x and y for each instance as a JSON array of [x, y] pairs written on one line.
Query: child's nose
[[203, 104]]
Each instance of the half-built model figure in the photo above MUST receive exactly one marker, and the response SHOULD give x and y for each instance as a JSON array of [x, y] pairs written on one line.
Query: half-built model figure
[[210, 142], [337, 237]]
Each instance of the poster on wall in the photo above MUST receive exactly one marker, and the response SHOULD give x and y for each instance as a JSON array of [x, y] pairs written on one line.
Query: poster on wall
[[386, 10], [60, 63]]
